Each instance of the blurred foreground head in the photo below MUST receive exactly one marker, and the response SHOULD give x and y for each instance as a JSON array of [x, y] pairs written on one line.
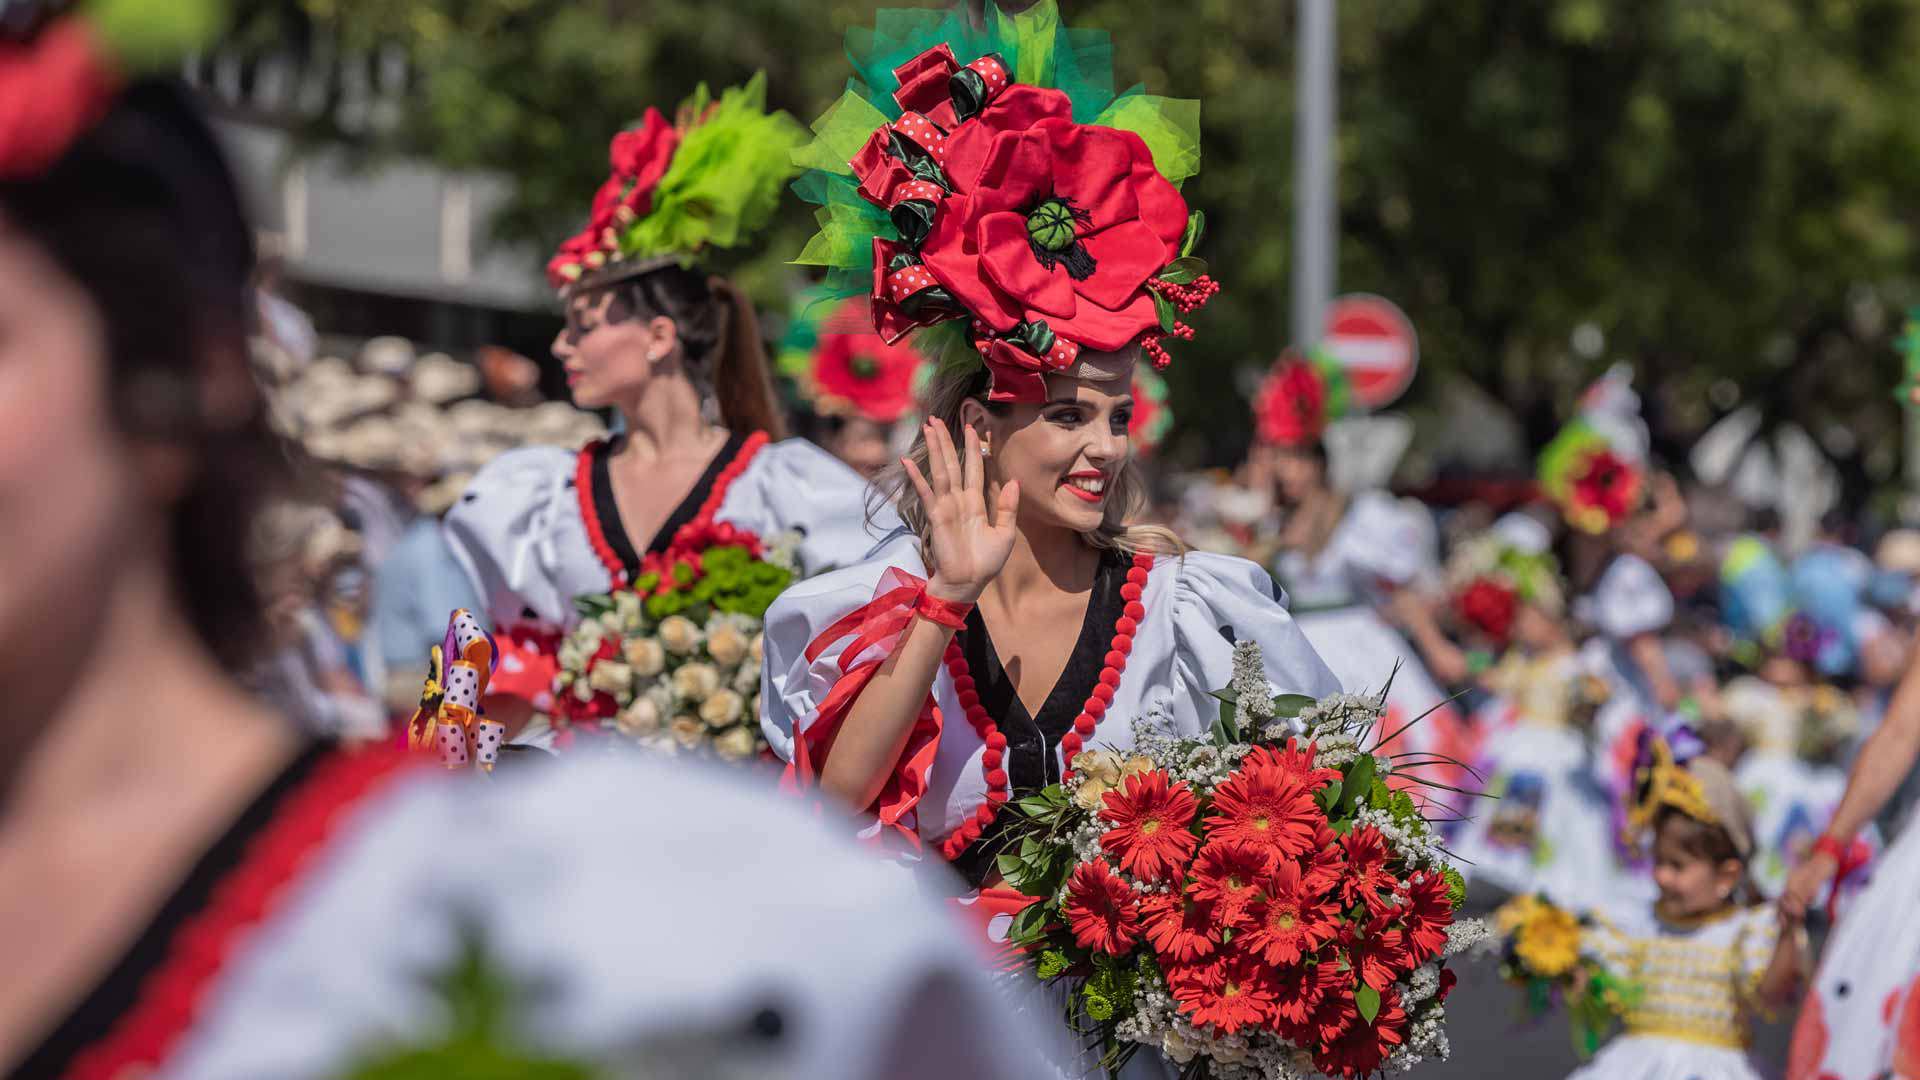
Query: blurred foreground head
[[133, 453]]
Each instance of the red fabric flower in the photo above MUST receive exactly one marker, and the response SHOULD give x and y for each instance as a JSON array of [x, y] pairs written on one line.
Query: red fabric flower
[[640, 156], [1231, 874], [52, 89], [1292, 921], [1606, 482], [1379, 953], [1367, 879], [1150, 818], [862, 374], [1101, 909], [1364, 1045], [1428, 911], [1180, 928], [1265, 805], [1235, 992], [1489, 605], [1290, 408]]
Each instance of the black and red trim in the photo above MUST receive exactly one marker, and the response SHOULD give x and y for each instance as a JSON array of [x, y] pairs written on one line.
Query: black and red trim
[[607, 534]]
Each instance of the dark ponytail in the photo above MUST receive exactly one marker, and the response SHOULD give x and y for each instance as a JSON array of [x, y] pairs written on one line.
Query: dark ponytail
[[719, 340]]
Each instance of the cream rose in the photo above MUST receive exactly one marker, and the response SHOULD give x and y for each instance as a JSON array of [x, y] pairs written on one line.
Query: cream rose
[[736, 745], [1092, 794], [695, 682], [1101, 765], [689, 732], [722, 709], [640, 718], [727, 644], [626, 604], [1178, 1047], [611, 677], [679, 635], [610, 622], [646, 656], [1137, 764]]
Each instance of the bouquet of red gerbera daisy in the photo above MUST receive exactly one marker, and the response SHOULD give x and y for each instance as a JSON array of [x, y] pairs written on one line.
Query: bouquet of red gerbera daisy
[[1269, 902]]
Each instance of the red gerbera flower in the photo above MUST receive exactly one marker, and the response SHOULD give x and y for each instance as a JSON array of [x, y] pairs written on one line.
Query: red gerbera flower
[[1380, 953], [1292, 921], [1447, 981], [1295, 759], [1237, 992], [1489, 605], [1230, 874], [1367, 879], [1606, 482], [1327, 862], [1265, 805], [1150, 818], [1298, 990], [1364, 1045], [1333, 1012], [1180, 928], [1427, 914], [1101, 909]]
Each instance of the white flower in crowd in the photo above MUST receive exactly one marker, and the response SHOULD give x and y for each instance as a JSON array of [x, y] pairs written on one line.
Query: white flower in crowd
[[640, 718], [646, 656], [626, 604], [679, 634], [588, 635], [722, 708], [1252, 693], [611, 677], [610, 622], [695, 682], [1464, 934], [727, 644], [737, 744]]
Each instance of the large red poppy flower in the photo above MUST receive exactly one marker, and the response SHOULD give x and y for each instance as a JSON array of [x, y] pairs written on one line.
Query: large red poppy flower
[[1604, 481], [1427, 914], [1231, 875], [1101, 909], [1292, 921], [1290, 408], [1364, 1045], [865, 376], [1150, 818], [1265, 805], [1367, 879], [1180, 928], [1234, 993]]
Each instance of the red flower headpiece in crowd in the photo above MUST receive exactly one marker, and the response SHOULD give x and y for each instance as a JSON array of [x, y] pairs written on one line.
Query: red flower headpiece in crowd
[[1040, 235], [1298, 399], [59, 71]]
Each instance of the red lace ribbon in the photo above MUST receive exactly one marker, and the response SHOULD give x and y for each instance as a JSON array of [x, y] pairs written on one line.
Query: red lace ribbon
[[874, 630]]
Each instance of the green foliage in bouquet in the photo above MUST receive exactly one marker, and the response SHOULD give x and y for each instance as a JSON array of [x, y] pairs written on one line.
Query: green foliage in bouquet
[[730, 580], [1541, 953]]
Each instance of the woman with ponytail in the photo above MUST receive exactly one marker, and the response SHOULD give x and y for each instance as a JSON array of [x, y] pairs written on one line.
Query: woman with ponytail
[[678, 354]]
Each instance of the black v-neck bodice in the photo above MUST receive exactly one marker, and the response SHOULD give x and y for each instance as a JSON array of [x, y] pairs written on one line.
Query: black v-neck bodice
[[607, 510], [1032, 739]]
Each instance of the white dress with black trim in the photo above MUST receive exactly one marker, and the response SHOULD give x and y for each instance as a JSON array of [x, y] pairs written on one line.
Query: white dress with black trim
[[539, 526]]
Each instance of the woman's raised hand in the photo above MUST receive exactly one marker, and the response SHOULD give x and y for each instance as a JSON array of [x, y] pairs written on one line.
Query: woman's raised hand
[[970, 541]]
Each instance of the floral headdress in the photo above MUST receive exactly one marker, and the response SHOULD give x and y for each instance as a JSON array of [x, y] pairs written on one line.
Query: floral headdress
[[1595, 469], [1669, 772], [61, 63], [840, 367], [1491, 574], [1300, 396], [708, 179], [1009, 204]]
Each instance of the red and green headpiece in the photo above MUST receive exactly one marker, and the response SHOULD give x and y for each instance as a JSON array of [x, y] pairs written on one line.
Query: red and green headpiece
[[986, 188]]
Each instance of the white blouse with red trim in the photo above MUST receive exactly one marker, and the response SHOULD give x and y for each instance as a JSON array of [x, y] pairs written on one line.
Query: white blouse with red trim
[[1181, 652]]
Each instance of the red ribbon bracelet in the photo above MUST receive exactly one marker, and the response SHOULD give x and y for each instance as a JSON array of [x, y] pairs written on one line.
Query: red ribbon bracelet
[[945, 612]]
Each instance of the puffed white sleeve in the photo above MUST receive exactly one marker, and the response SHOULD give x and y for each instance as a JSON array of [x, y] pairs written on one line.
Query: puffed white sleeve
[[791, 685], [1631, 599], [503, 529], [1219, 600], [794, 486]]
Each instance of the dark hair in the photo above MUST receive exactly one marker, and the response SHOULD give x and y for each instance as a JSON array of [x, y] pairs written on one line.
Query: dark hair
[[719, 339], [143, 213]]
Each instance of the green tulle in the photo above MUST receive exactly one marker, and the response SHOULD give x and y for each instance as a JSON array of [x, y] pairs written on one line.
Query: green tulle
[[726, 177], [1040, 51]]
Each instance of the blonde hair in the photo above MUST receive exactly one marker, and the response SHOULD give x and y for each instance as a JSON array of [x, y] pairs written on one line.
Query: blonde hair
[[952, 386]]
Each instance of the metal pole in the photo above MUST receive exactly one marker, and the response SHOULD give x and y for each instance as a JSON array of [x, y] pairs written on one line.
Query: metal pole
[[1313, 154]]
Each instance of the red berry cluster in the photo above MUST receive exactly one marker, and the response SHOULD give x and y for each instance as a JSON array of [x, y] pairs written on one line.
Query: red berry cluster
[[1186, 297]]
